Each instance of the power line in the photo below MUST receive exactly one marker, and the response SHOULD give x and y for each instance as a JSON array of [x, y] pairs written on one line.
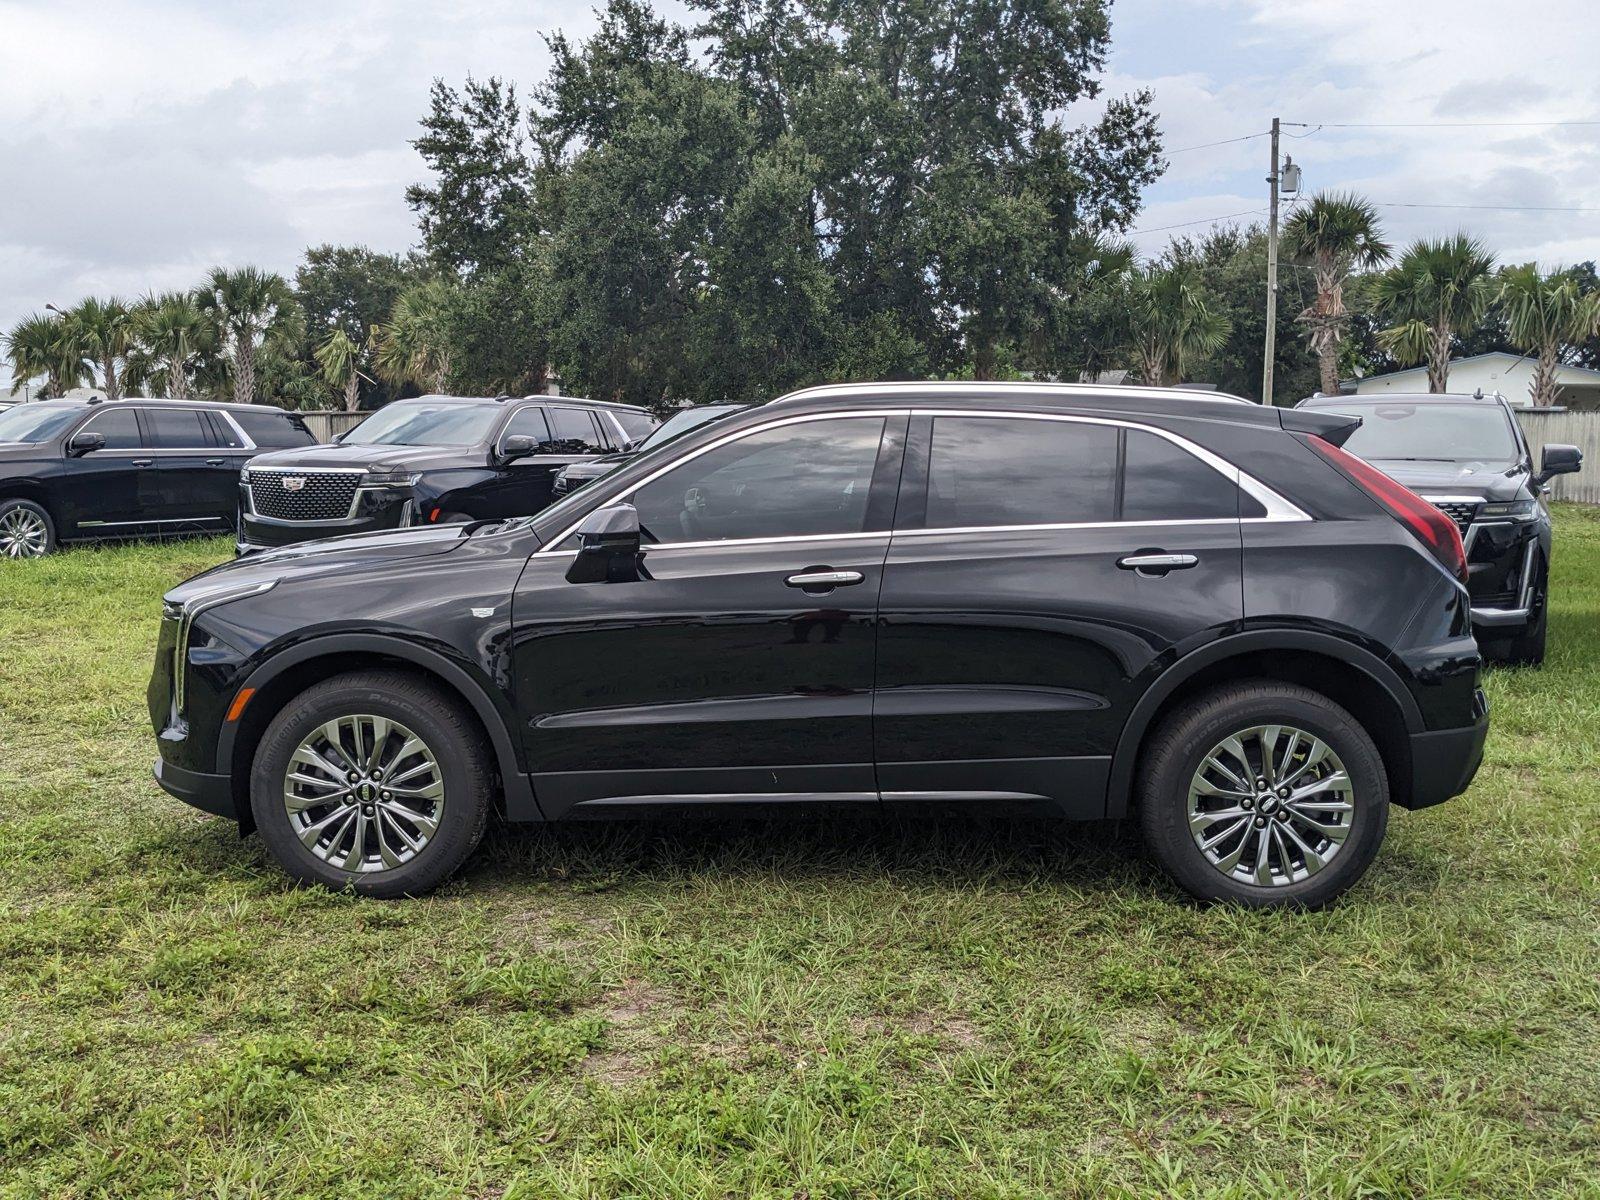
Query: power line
[[1249, 212], [1223, 142], [1450, 124], [1487, 207]]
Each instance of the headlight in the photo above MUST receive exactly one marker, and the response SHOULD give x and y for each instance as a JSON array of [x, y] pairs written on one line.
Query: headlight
[[377, 479], [184, 611], [1510, 508]]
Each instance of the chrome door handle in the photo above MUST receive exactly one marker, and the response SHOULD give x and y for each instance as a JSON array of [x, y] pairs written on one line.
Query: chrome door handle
[[141, 462], [215, 462], [824, 579], [1157, 564]]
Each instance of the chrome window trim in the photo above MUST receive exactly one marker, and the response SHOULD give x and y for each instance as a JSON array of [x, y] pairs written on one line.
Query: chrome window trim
[[246, 442], [1278, 509]]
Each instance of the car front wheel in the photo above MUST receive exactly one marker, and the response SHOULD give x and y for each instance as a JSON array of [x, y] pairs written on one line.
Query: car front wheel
[[26, 530], [1263, 793], [373, 781]]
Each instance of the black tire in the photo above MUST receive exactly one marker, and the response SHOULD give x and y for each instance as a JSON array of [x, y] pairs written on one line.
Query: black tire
[[449, 733], [1175, 751], [12, 544], [1526, 649]]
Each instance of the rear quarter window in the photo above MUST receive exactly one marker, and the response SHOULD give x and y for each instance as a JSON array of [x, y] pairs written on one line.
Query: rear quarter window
[[273, 428], [1164, 482]]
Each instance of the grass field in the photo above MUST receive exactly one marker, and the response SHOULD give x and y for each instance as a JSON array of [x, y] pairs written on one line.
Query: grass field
[[798, 1010]]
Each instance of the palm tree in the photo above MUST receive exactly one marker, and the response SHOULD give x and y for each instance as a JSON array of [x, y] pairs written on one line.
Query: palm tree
[[1437, 288], [1334, 234], [340, 360], [1545, 313], [102, 331], [1171, 322], [414, 347], [42, 344], [173, 334], [248, 307]]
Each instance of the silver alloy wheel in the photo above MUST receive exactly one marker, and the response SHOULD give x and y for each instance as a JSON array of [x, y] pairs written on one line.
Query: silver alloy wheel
[[1271, 805], [364, 793], [23, 533]]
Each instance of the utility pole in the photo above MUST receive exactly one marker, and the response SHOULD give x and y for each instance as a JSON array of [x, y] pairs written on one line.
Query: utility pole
[[1272, 273]]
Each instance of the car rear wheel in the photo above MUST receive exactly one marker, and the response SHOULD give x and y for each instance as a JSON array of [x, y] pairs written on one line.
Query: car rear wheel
[[373, 781], [26, 530], [1263, 793]]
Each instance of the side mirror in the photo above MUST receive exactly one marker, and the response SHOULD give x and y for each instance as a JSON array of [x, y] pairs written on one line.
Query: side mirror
[[608, 547], [1558, 460], [85, 443], [518, 445]]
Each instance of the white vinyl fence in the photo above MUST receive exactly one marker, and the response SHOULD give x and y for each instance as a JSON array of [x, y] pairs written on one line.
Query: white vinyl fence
[[1580, 429]]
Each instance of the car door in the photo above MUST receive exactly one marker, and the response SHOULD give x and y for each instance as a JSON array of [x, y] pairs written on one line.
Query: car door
[[740, 665], [1017, 624], [111, 491], [521, 485], [192, 473]]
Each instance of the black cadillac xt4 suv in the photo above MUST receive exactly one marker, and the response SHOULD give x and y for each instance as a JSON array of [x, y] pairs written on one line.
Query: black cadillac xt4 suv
[[435, 460], [76, 470], [1096, 601], [1468, 456]]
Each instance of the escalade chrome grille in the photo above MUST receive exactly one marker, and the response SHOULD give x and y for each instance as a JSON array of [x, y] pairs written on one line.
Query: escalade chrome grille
[[318, 496], [1459, 511]]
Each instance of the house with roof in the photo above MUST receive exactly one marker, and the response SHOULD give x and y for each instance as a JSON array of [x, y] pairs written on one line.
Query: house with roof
[[1498, 371]]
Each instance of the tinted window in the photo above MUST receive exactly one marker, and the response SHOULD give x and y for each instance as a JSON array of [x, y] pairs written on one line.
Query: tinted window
[[799, 480], [222, 432], [572, 432], [1010, 471], [1166, 483], [528, 422], [120, 428], [271, 427], [176, 428], [637, 425]]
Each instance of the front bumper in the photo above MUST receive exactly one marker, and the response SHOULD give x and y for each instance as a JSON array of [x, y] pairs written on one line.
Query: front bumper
[[1501, 556], [209, 793], [1444, 761], [266, 533]]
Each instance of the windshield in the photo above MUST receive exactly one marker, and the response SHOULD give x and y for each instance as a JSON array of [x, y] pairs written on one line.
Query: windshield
[[1430, 432], [680, 423], [35, 422], [426, 423]]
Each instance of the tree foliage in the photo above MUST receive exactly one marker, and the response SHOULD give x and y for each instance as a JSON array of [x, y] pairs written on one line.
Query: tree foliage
[[1439, 286]]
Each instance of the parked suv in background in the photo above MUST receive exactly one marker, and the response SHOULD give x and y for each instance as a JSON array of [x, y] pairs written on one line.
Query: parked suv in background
[[72, 470], [430, 461], [575, 475], [1094, 601], [1468, 456]]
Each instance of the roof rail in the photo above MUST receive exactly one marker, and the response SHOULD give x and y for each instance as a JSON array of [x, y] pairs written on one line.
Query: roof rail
[[957, 387]]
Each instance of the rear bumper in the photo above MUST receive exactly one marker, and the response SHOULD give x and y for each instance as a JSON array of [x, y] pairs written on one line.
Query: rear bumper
[[1444, 761], [209, 793]]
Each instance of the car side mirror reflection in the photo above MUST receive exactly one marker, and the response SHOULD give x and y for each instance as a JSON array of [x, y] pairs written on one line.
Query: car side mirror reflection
[[1559, 460], [608, 547], [85, 443], [518, 445]]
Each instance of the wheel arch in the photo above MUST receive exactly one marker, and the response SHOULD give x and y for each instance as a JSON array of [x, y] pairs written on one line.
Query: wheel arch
[[1355, 678], [292, 671]]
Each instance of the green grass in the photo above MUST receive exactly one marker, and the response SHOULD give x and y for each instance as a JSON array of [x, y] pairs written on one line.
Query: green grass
[[811, 1009]]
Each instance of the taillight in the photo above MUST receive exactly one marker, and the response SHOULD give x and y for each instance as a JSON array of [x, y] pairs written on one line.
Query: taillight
[[1427, 523]]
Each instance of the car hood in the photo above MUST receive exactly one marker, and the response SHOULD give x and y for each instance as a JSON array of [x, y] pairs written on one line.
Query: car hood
[[359, 457], [18, 451], [1486, 480], [329, 555]]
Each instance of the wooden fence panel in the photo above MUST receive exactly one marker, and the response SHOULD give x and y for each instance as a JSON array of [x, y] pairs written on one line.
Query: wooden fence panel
[[327, 424], [1580, 429]]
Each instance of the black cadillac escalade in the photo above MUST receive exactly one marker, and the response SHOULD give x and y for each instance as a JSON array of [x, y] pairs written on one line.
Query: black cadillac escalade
[[434, 460]]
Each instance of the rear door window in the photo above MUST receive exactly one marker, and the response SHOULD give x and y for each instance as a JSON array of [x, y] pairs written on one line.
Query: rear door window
[[572, 431], [176, 428], [986, 471]]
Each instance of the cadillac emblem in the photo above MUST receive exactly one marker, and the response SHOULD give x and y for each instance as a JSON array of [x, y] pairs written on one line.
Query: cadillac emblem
[[294, 483]]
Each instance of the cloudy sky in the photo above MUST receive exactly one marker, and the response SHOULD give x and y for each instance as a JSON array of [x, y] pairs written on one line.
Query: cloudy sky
[[144, 140]]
